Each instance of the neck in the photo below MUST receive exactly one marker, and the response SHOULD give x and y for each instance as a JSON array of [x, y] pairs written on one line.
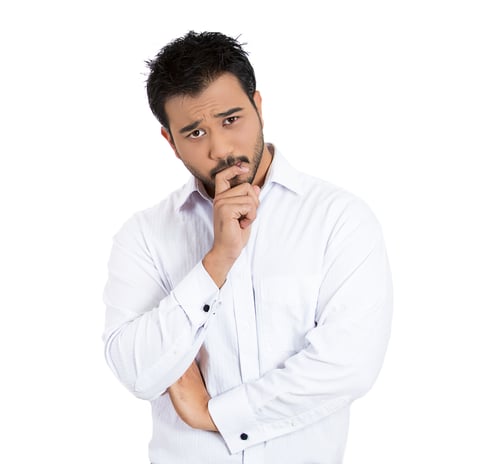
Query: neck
[[264, 165]]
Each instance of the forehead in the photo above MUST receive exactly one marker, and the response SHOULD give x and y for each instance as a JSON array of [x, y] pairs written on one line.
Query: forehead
[[222, 94]]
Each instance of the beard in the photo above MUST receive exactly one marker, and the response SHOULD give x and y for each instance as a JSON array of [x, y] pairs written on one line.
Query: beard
[[209, 182]]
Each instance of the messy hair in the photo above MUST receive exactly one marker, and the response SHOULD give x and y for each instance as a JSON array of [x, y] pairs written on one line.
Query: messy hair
[[187, 65]]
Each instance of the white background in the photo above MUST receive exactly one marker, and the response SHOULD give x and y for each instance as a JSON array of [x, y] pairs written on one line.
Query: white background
[[379, 97]]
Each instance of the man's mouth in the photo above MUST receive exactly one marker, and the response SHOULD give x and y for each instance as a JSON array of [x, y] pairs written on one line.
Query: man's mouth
[[229, 162]]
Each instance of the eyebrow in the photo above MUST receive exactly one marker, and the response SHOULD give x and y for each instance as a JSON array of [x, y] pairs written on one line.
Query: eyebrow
[[223, 114]]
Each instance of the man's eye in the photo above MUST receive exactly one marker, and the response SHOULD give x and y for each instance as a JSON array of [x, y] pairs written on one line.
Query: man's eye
[[230, 120], [196, 134]]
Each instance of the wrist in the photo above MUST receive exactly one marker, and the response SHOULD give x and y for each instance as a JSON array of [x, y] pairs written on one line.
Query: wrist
[[209, 424], [217, 266]]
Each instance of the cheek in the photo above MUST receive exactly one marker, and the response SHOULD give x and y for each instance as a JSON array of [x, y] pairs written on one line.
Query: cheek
[[194, 155], [247, 136], [189, 151]]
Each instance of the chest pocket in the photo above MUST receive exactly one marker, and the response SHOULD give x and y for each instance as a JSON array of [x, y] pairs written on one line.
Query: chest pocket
[[286, 306]]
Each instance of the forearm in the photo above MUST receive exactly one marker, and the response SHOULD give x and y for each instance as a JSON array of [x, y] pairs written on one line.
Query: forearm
[[313, 384], [190, 398], [341, 359]]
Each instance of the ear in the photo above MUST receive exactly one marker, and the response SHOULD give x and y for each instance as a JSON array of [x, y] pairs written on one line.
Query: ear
[[166, 134], [257, 98]]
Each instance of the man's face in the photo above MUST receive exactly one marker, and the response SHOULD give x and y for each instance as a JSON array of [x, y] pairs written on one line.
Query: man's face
[[216, 129]]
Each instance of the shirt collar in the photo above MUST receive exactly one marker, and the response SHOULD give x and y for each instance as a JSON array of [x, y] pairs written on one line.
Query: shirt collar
[[280, 172], [190, 193]]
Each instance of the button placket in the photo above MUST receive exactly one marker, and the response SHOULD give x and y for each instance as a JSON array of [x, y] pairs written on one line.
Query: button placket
[[245, 319]]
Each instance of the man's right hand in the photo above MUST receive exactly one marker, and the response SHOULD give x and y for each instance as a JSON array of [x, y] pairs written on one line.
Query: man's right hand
[[234, 210]]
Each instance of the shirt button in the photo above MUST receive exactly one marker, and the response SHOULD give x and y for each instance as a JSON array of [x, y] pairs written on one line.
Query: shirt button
[[206, 308], [243, 436]]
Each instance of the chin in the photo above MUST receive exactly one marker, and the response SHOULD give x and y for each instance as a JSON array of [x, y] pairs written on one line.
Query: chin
[[234, 181]]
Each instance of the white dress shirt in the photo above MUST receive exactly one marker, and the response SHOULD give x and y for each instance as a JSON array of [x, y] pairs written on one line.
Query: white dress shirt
[[297, 332]]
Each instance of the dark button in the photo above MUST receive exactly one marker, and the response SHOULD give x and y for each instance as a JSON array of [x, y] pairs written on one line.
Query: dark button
[[243, 436], [206, 308]]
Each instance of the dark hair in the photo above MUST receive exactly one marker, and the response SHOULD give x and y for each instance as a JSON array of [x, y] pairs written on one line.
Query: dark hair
[[187, 65]]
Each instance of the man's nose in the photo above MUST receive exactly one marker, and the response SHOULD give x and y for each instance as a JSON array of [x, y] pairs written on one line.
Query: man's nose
[[220, 146]]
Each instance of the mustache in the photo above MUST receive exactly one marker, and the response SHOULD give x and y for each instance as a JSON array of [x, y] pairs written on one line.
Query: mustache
[[226, 163]]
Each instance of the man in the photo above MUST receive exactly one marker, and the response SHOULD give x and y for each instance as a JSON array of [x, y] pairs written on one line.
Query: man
[[252, 305]]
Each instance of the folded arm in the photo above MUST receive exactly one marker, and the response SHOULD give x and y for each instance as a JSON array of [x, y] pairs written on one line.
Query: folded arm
[[342, 356], [152, 333]]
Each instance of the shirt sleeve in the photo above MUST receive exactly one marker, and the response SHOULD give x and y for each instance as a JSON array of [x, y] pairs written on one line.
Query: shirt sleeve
[[342, 355], [152, 334]]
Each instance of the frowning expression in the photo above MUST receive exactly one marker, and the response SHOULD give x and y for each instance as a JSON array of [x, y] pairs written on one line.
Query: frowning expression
[[215, 129]]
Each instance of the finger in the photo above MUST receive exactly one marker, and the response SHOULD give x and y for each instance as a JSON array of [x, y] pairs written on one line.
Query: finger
[[222, 178], [233, 207], [239, 191], [244, 212]]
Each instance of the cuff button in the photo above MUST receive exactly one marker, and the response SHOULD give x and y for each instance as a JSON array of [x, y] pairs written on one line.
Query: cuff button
[[243, 436], [206, 308]]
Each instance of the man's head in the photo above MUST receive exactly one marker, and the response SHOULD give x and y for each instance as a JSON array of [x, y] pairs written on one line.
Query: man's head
[[202, 89], [187, 65]]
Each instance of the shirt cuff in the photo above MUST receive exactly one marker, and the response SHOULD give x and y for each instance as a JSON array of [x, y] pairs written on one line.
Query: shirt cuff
[[197, 294], [235, 420]]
